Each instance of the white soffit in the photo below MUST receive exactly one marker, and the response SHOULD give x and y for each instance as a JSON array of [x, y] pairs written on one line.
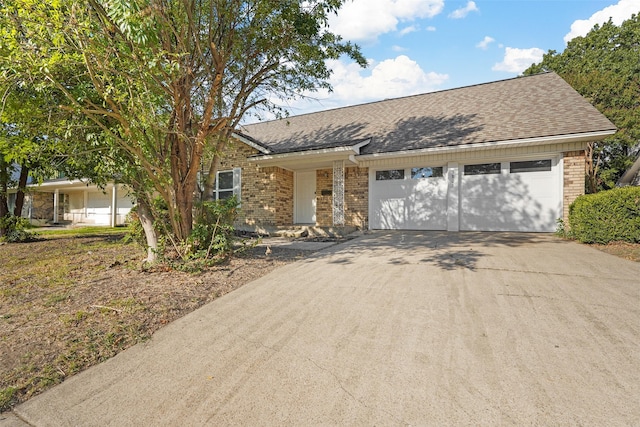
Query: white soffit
[[559, 139]]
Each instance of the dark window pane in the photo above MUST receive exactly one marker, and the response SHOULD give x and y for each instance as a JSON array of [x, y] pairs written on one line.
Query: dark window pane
[[390, 174], [530, 166], [225, 180], [482, 169], [224, 194], [417, 173]]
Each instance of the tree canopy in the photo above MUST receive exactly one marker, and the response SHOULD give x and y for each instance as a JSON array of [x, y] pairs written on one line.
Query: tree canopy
[[604, 67], [165, 82]]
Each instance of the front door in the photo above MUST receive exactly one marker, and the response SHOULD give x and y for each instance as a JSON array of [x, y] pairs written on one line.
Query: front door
[[305, 198]]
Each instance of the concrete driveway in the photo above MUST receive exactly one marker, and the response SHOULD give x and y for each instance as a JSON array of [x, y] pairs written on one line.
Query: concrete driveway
[[415, 328]]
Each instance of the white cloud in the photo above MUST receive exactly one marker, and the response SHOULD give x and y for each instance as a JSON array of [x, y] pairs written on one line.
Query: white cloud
[[391, 78], [484, 44], [431, 28], [397, 48], [464, 11], [365, 20], [618, 13], [407, 30], [517, 60]]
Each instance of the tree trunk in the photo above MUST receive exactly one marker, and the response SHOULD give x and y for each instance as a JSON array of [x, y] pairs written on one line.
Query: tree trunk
[[4, 187], [22, 185], [184, 206], [146, 220], [591, 169]]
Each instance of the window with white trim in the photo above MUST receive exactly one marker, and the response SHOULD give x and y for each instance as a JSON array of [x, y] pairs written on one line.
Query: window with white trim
[[228, 183]]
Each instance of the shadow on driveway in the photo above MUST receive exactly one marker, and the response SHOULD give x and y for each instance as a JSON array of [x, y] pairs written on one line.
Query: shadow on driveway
[[447, 250]]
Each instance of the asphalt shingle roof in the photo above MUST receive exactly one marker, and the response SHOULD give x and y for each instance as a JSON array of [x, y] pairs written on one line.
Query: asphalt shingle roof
[[542, 105]]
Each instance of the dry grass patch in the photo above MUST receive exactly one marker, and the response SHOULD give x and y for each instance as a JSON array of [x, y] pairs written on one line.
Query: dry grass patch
[[630, 251], [70, 301]]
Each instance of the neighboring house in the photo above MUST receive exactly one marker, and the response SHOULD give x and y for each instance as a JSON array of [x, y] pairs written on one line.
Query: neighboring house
[[76, 202], [508, 155], [632, 175]]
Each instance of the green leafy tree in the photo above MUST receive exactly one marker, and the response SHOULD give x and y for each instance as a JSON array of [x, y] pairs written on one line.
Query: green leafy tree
[[167, 82], [27, 145], [603, 66]]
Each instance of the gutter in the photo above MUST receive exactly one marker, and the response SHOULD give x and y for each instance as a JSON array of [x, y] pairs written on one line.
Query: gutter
[[349, 152], [558, 139]]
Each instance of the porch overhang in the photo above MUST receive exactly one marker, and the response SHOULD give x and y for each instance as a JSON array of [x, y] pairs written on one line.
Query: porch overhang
[[311, 159], [61, 185]]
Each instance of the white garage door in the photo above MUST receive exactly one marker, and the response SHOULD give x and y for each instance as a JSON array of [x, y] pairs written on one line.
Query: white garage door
[[409, 199], [510, 196]]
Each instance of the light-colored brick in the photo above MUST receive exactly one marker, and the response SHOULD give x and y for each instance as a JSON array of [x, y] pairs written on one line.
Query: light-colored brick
[[573, 180], [267, 193]]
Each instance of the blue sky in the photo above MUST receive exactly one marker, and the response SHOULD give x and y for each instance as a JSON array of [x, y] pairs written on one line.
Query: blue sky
[[418, 46]]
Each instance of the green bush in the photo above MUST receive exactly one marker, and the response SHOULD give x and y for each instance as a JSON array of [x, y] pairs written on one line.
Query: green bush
[[14, 229], [213, 232], [607, 216]]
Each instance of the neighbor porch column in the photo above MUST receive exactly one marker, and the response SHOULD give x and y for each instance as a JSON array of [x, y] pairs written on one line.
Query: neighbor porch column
[[114, 205], [85, 204], [56, 203]]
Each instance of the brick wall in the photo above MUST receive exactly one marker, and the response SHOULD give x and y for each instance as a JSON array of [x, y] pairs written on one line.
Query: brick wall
[[356, 200], [574, 175], [356, 197], [267, 193], [283, 183], [324, 202]]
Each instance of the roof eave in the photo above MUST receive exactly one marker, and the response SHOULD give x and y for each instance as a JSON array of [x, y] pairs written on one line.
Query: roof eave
[[310, 159], [556, 139], [250, 143]]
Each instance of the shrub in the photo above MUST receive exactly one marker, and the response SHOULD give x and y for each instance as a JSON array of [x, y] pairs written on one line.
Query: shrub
[[15, 229], [213, 232], [607, 216]]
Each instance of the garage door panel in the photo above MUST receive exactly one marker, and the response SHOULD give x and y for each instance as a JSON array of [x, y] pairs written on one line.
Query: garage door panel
[[526, 201], [391, 214], [495, 196], [409, 204]]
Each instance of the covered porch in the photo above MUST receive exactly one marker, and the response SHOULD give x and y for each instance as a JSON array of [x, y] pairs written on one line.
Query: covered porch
[[76, 202], [326, 189]]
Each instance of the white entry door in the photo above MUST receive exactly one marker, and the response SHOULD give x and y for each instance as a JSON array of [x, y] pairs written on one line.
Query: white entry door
[[305, 198]]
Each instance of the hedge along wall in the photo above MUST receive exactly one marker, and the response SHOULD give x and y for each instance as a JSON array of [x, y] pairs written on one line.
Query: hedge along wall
[[607, 216]]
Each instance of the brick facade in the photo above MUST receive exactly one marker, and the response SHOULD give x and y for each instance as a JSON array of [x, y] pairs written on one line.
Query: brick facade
[[573, 180], [324, 197], [356, 197], [356, 200], [266, 193]]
